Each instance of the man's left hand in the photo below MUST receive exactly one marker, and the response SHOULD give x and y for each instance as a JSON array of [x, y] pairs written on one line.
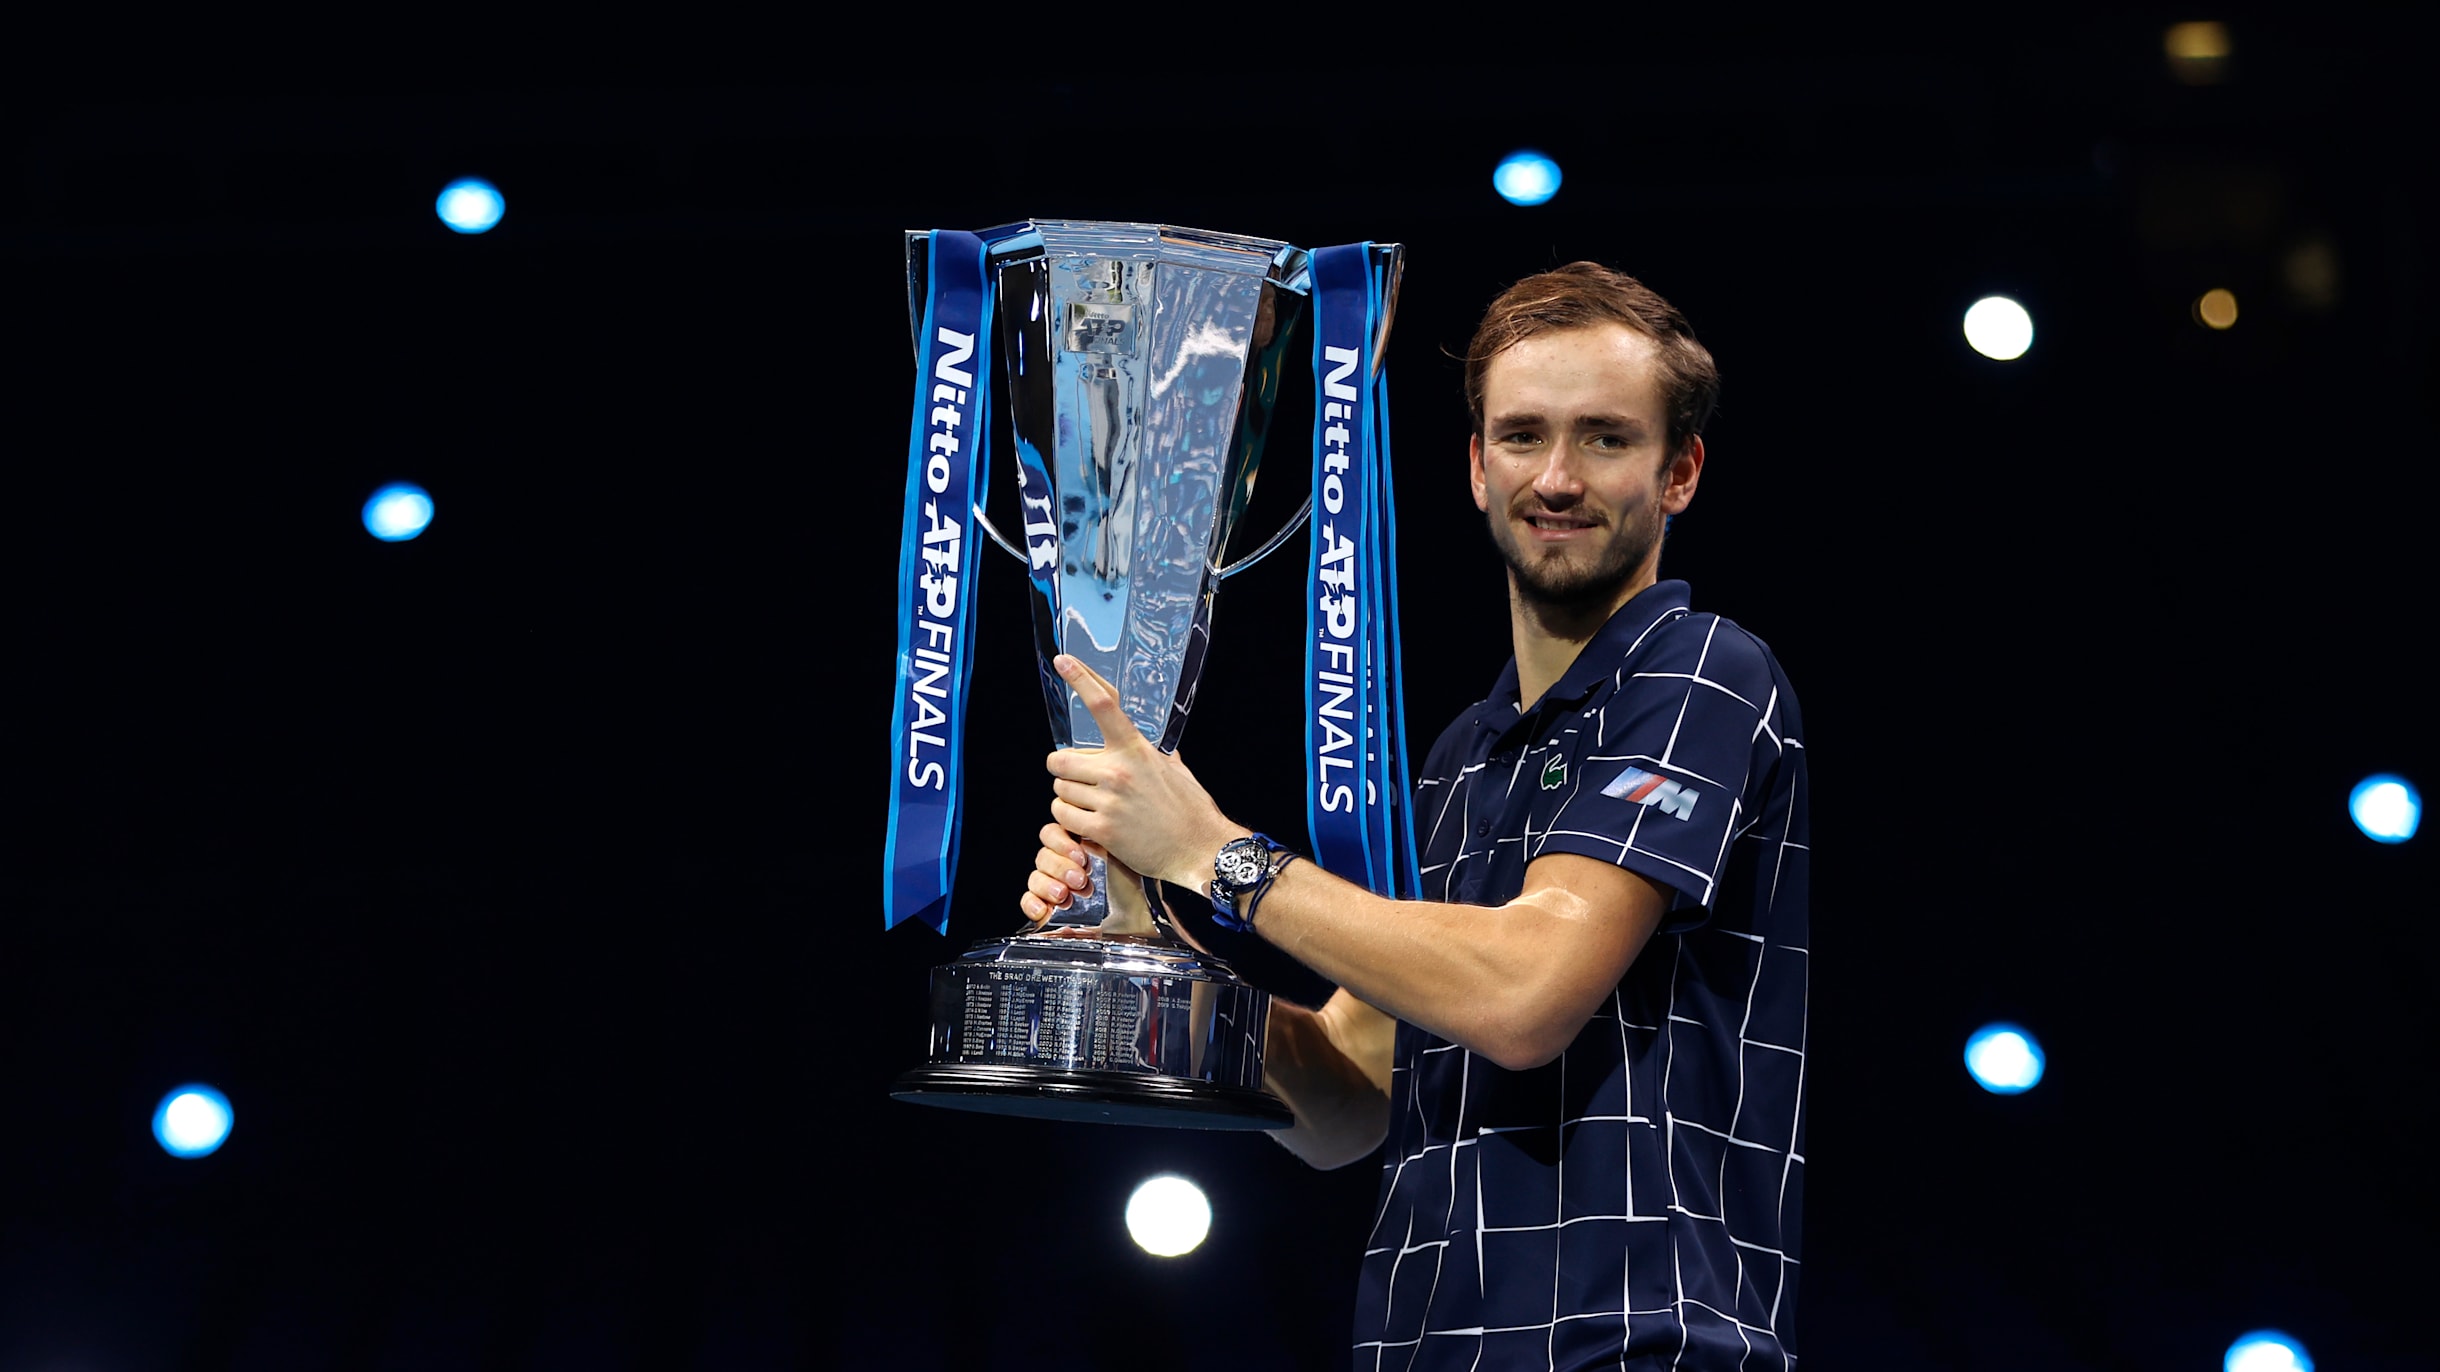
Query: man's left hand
[[1137, 803]]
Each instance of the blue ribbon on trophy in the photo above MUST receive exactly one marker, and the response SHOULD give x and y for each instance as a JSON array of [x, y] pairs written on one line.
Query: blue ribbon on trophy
[[948, 448], [1356, 759]]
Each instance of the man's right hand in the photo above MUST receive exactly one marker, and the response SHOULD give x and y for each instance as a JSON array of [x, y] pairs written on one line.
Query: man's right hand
[[1332, 1067], [1062, 872]]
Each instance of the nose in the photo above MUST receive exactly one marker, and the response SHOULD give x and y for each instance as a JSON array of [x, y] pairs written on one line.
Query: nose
[[1559, 481]]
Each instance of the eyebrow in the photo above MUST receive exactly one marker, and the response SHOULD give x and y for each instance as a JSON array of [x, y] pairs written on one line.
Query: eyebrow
[[1525, 419]]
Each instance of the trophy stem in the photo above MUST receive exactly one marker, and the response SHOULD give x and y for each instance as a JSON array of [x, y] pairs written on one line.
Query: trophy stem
[[1121, 904]]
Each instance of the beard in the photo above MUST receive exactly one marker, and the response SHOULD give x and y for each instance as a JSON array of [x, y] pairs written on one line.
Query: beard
[[1567, 584]]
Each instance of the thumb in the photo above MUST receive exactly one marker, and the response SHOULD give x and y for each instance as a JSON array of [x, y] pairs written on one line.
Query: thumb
[[1101, 699]]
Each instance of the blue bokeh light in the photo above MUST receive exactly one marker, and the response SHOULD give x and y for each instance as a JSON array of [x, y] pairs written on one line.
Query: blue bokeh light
[[470, 204], [192, 1121], [2387, 808], [2004, 1058], [1526, 177], [2266, 1350], [398, 512]]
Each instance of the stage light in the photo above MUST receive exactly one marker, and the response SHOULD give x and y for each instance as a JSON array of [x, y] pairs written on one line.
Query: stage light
[[2004, 1059], [2216, 309], [1526, 177], [2198, 39], [470, 204], [397, 512], [2387, 808], [192, 1121], [1999, 328], [1168, 1216], [2197, 51], [2266, 1350]]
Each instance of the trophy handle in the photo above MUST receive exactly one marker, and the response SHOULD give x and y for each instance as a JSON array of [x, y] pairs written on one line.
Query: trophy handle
[[998, 537], [1269, 546]]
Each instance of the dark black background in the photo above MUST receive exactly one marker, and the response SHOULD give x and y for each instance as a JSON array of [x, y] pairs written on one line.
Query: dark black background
[[520, 883]]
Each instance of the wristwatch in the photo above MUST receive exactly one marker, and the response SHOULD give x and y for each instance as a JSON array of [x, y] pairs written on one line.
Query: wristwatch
[[1245, 866]]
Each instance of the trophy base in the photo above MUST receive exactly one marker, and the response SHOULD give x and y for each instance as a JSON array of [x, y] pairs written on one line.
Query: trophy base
[[1092, 1097], [1080, 1023]]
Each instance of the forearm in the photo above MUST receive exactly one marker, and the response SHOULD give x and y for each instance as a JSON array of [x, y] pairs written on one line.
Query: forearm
[[1400, 959], [1513, 982], [1397, 955], [1333, 1071]]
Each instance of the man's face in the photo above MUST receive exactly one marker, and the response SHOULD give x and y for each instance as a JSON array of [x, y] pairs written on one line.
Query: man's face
[[1572, 468]]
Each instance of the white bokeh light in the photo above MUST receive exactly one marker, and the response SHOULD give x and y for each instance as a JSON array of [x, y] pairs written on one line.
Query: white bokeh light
[[2004, 1059], [470, 204], [1999, 328], [192, 1121], [397, 512], [1168, 1216], [2266, 1350], [1526, 177], [2387, 808]]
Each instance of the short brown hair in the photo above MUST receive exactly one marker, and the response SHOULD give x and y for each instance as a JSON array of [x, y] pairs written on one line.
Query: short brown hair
[[1580, 295]]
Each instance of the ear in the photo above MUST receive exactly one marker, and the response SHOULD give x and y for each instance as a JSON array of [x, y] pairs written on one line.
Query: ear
[[1474, 472], [1678, 479]]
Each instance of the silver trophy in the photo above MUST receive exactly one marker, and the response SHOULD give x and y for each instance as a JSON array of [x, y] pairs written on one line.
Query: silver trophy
[[1141, 363]]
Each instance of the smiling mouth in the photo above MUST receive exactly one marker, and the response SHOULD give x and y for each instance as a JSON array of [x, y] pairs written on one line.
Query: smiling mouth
[[1557, 523]]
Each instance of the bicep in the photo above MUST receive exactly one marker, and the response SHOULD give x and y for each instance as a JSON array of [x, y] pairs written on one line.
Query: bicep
[[1597, 917]]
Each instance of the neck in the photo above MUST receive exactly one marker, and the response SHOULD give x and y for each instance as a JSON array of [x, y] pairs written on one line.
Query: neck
[[1548, 636]]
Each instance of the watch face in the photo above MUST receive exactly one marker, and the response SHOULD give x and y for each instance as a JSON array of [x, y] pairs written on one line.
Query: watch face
[[1239, 866]]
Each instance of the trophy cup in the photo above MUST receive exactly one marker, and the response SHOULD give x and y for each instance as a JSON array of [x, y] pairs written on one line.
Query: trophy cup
[[1142, 363]]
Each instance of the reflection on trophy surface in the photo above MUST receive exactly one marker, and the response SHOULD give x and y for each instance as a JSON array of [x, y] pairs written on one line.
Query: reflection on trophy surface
[[1141, 364]]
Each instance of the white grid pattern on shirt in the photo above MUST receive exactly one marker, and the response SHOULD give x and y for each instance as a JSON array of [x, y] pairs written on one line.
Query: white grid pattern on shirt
[[1753, 1297]]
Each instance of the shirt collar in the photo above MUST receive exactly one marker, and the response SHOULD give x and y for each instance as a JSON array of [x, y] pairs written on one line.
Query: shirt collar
[[1650, 607]]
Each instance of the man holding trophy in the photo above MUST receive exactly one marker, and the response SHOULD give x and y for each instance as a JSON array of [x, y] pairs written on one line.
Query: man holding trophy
[[1584, 1045]]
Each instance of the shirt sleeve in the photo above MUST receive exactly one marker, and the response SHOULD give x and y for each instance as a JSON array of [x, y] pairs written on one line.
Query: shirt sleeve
[[1666, 762]]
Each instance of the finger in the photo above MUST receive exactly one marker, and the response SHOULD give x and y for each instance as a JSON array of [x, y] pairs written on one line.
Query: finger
[[1061, 869], [1082, 823], [1101, 698], [1084, 797], [1050, 890], [1034, 909], [1075, 764], [1059, 840]]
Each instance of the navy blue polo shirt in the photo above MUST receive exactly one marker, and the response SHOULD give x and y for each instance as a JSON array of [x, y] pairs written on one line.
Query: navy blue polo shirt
[[1635, 1201]]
